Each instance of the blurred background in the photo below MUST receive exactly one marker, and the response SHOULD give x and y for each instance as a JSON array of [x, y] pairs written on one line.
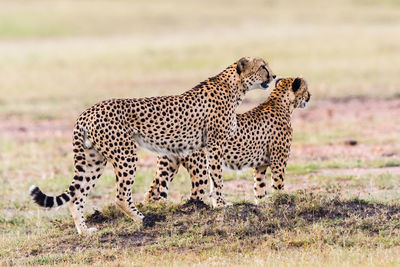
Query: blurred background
[[59, 57]]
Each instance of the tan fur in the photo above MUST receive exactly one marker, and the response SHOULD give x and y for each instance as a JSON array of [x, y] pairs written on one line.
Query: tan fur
[[262, 139], [201, 118]]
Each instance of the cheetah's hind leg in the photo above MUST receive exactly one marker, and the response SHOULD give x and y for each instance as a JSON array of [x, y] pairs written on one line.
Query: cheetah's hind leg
[[166, 170], [88, 166]]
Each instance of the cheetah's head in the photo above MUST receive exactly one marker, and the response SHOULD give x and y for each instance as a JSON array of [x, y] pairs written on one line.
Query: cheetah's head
[[254, 73], [299, 94]]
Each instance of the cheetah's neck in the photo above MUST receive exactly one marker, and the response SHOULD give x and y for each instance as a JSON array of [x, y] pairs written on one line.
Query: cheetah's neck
[[237, 89], [280, 98]]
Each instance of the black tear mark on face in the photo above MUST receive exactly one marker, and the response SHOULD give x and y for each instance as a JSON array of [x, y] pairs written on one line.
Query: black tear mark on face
[[265, 68], [308, 97], [296, 84]]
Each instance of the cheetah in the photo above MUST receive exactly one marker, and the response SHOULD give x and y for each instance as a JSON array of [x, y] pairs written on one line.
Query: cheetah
[[262, 139], [110, 131]]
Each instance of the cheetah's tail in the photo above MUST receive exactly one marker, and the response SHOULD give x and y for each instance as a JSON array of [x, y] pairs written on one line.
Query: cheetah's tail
[[55, 201], [46, 201]]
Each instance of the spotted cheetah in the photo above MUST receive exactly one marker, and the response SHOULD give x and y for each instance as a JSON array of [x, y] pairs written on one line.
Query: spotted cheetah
[[202, 117], [262, 139]]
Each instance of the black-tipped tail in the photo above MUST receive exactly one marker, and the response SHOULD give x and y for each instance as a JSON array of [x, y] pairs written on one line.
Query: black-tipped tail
[[47, 201]]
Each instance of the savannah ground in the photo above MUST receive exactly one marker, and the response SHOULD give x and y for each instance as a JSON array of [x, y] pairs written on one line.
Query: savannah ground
[[340, 206]]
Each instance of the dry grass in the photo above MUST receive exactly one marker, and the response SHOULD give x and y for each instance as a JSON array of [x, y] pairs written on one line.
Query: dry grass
[[343, 215]]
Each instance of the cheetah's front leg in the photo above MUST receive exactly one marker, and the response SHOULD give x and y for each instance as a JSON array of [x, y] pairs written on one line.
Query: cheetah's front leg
[[278, 166], [214, 159], [259, 183]]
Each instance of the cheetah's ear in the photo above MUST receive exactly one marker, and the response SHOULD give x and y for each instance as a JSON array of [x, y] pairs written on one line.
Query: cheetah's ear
[[241, 65], [296, 84]]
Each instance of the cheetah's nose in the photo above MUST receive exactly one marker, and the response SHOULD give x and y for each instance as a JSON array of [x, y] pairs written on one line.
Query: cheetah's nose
[[274, 76]]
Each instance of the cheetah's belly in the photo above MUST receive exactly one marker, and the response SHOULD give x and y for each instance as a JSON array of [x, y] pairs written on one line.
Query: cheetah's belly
[[170, 146], [238, 156], [240, 164]]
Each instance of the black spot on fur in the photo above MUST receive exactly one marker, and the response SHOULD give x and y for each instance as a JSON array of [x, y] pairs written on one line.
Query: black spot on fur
[[78, 178], [79, 168]]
